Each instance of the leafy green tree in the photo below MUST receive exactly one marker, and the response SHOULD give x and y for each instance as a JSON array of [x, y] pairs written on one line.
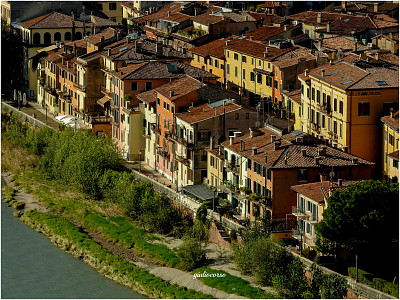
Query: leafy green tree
[[362, 216], [327, 286], [191, 253]]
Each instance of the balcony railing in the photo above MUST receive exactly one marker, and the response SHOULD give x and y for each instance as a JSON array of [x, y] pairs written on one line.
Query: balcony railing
[[298, 212], [181, 140], [104, 91], [309, 241], [296, 234], [162, 153]]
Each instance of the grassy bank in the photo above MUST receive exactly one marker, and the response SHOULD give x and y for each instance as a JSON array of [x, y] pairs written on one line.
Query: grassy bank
[[68, 237], [231, 284]]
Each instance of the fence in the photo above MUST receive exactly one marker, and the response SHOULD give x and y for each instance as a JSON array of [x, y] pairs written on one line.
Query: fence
[[25, 117]]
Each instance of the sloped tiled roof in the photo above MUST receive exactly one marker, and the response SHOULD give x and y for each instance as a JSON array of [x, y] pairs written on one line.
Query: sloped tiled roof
[[265, 32], [149, 97], [238, 17], [96, 38], [392, 122], [289, 155], [102, 22], [180, 87], [207, 19], [394, 154], [389, 58], [214, 48], [177, 17], [53, 20], [388, 75], [205, 111], [294, 95], [170, 8], [255, 49], [339, 42]]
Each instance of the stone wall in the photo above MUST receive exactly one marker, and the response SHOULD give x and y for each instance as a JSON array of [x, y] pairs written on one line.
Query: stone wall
[[25, 117]]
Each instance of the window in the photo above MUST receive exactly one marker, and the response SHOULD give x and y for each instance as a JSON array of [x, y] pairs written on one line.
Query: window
[[323, 99], [275, 84], [395, 164], [112, 6], [236, 116], [36, 38], [235, 56], [198, 58], [165, 105], [391, 139], [381, 83], [252, 76], [244, 58], [334, 127], [216, 63], [47, 38], [340, 130], [244, 74], [302, 175], [259, 78], [302, 89], [363, 108], [341, 107], [335, 104], [68, 36], [149, 86], [312, 94], [247, 115], [158, 101], [228, 69], [318, 96], [168, 106], [203, 155], [57, 36], [204, 136], [308, 93], [236, 71], [211, 62], [134, 86], [227, 53], [173, 109]]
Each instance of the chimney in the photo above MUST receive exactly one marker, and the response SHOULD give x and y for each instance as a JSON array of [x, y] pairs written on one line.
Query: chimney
[[159, 49], [241, 145], [392, 113], [317, 159], [323, 177], [211, 143], [319, 152], [355, 46], [285, 27], [62, 61], [254, 150], [72, 15], [231, 140], [118, 35], [67, 64], [236, 134], [251, 38], [266, 157], [273, 137], [215, 111], [251, 132], [171, 93], [320, 45], [340, 182], [276, 145], [376, 7], [323, 73], [109, 52], [101, 42], [345, 148], [319, 17], [220, 150], [323, 150], [169, 13], [354, 160], [306, 72], [344, 5], [74, 50], [266, 52], [138, 46], [328, 26], [303, 152]]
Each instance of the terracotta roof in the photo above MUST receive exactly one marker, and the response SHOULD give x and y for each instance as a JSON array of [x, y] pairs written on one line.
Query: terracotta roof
[[127, 4], [292, 57], [172, 8], [150, 97], [319, 191], [289, 155], [351, 58], [177, 17], [53, 20], [255, 49], [102, 22], [214, 48], [389, 58], [378, 78], [384, 7], [78, 43], [238, 17], [380, 24], [259, 16], [180, 87], [207, 19], [69, 64], [385, 18], [205, 111], [265, 32], [339, 23], [392, 122], [153, 70], [394, 36], [294, 95], [394, 154], [339, 42], [108, 33]]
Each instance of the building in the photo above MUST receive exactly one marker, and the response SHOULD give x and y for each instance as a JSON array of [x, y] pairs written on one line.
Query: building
[[44, 31], [311, 203], [391, 146], [387, 42], [268, 164], [342, 103], [112, 9], [136, 9], [6, 12]]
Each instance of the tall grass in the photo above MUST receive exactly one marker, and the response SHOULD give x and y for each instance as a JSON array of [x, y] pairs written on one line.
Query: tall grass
[[110, 265], [232, 285]]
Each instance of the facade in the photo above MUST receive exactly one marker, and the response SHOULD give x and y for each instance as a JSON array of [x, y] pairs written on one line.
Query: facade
[[112, 9], [387, 42], [390, 144], [267, 164], [342, 103], [6, 12], [311, 203]]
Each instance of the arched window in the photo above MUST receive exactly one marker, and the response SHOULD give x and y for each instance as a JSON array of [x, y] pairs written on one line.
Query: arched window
[[78, 36], [47, 38], [321, 36], [36, 38], [57, 36], [67, 36]]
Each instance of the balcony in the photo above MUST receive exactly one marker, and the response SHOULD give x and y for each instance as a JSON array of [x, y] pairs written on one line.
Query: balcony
[[297, 234], [146, 133], [101, 120], [104, 91], [163, 153], [80, 87], [181, 140], [298, 212], [313, 219], [183, 160], [65, 97], [309, 241]]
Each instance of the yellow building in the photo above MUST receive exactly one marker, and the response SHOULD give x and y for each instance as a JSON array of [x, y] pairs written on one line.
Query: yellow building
[[391, 146], [210, 57], [215, 166], [6, 12], [292, 102], [342, 103], [112, 9], [44, 31]]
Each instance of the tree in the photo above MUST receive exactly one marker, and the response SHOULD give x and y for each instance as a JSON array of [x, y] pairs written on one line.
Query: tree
[[362, 216]]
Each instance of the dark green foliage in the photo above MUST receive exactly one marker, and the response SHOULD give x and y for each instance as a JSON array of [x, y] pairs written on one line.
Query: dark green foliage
[[326, 286], [309, 254], [363, 214], [231, 284], [191, 253]]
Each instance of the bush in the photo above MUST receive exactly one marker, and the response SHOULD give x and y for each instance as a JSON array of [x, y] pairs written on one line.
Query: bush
[[386, 287], [309, 253], [363, 276], [191, 253]]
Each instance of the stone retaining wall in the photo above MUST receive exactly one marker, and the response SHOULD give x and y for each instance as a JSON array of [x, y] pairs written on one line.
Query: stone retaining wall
[[25, 117]]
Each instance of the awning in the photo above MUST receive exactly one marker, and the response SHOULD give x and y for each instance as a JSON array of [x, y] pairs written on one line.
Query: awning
[[201, 191], [103, 100], [256, 70]]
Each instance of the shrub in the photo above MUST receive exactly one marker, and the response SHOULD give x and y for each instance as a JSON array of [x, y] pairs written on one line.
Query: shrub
[[192, 254], [309, 253], [386, 286], [363, 276]]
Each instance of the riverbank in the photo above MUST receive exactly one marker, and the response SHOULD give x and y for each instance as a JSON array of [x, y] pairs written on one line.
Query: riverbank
[[176, 278]]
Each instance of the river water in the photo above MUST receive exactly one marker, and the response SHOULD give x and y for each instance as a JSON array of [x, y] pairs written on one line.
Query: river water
[[32, 267]]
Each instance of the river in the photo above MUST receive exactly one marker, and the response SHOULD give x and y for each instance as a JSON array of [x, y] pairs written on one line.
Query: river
[[32, 267]]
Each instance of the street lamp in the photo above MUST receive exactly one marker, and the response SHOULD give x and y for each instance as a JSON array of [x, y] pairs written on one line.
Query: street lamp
[[140, 155], [46, 108]]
